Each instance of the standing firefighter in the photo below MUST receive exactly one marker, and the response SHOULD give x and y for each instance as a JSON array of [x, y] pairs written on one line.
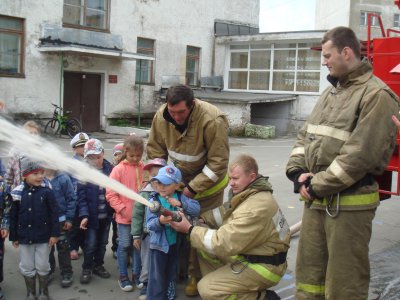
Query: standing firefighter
[[348, 138], [194, 136]]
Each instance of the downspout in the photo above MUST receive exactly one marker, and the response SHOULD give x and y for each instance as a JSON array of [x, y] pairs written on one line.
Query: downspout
[[61, 79], [140, 80]]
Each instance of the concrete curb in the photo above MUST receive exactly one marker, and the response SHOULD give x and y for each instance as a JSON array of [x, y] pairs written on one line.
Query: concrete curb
[[143, 132]]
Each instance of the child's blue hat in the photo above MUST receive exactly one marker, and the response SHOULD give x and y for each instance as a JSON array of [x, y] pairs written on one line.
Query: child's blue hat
[[168, 175]]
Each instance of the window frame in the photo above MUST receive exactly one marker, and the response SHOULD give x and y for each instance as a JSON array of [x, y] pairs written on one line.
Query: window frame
[[196, 58], [396, 20], [83, 18], [151, 53], [374, 21], [21, 34], [272, 69]]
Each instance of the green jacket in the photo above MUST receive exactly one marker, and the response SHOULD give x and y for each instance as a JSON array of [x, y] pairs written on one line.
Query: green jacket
[[348, 138], [138, 225]]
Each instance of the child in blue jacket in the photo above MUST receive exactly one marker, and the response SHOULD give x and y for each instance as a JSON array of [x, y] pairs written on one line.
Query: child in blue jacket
[[163, 248], [64, 193]]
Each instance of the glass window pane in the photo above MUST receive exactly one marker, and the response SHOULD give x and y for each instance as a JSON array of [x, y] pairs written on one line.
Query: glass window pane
[[239, 46], [193, 51], [97, 4], [280, 46], [307, 81], [283, 81], [10, 53], [143, 71], [238, 80], [73, 2], [239, 60], [308, 60], [363, 18], [72, 15], [260, 46], [191, 71], [233, 29], [143, 44], [284, 59], [10, 23], [95, 18], [259, 81], [260, 60]]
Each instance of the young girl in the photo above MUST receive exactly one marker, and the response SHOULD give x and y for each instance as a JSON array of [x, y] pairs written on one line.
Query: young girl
[[130, 173], [34, 226]]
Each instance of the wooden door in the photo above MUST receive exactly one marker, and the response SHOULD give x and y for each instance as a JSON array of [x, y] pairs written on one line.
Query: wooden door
[[82, 97]]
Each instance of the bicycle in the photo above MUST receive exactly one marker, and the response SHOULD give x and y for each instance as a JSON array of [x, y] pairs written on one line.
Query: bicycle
[[62, 123]]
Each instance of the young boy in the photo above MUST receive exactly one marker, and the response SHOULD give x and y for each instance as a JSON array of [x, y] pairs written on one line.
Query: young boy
[[163, 249], [65, 195], [34, 226], [96, 214], [139, 231], [75, 235]]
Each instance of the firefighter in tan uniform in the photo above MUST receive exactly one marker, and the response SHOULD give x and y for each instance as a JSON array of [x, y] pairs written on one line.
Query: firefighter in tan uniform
[[348, 138], [194, 135], [245, 253]]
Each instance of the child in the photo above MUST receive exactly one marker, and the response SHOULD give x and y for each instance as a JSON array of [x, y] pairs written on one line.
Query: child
[[118, 152], [163, 249], [65, 195], [5, 206], [130, 173], [34, 226], [139, 231], [75, 235], [96, 214]]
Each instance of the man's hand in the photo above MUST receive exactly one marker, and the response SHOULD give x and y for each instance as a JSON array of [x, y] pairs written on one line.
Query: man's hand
[[4, 233], [396, 122], [84, 223], [136, 243], [182, 226], [188, 193], [52, 241], [165, 220], [67, 225], [303, 190]]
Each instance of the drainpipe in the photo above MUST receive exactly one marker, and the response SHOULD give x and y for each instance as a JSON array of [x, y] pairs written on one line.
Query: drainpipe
[[61, 79], [140, 80]]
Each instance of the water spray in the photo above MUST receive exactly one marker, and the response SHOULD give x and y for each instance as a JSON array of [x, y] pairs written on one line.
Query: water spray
[[49, 154]]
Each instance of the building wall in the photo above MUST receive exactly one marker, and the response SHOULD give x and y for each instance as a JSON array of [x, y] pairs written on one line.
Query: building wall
[[329, 14], [173, 24]]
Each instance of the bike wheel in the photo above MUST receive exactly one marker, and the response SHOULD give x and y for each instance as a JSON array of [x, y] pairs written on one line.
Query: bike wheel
[[52, 127], [73, 127]]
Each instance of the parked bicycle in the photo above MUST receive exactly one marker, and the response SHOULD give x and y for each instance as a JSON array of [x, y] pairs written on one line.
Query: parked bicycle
[[62, 123]]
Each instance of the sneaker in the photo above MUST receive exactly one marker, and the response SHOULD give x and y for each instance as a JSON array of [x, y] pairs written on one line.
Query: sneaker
[[125, 284], [137, 282], [74, 255], [66, 280], [101, 271], [142, 297], [86, 276]]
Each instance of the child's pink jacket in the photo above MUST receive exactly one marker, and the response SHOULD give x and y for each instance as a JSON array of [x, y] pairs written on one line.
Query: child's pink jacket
[[131, 176]]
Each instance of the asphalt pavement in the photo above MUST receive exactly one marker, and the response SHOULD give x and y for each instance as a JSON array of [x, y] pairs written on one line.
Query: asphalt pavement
[[272, 156]]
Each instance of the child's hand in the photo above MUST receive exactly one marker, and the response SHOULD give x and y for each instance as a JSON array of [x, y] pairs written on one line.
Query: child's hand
[[4, 233], [84, 223], [174, 202], [52, 241], [165, 220], [67, 225], [136, 243], [15, 244]]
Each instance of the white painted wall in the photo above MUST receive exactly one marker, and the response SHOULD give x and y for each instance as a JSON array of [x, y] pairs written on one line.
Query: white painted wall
[[329, 14], [174, 24]]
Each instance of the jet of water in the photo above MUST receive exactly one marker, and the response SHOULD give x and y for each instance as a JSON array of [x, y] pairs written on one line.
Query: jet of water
[[49, 154]]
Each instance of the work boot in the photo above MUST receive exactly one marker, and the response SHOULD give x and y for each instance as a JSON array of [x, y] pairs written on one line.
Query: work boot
[[271, 295], [30, 283], [191, 287], [44, 287]]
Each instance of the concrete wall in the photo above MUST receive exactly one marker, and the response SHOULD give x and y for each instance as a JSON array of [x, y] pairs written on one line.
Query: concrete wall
[[238, 115], [329, 14], [173, 24]]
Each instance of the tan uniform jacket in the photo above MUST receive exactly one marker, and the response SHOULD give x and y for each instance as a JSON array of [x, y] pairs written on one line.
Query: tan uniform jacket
[[201, 152], [253, 225], [348, 137]]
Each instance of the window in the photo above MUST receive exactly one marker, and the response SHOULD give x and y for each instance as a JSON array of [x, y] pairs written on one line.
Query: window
[[292, 67], [396, 20], [11, 46], [92, 14], [145, 68], [192, 65], [364, 18]]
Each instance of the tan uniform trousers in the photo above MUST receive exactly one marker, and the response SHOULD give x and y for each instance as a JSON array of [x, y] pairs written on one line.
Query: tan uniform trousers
[[332, 258], [220, 282]]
